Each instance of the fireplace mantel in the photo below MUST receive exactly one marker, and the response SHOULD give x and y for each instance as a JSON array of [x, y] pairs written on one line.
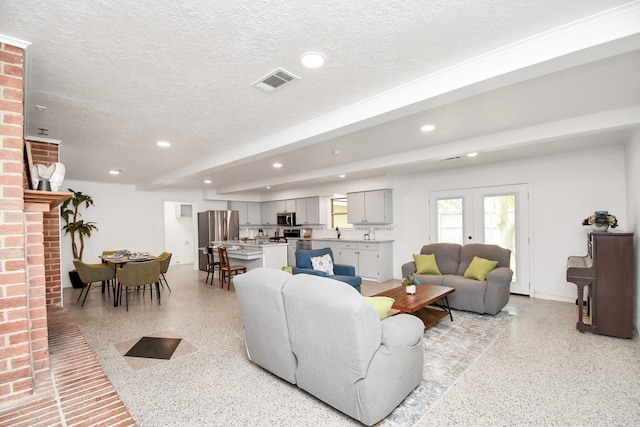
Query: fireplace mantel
[[50, 198]]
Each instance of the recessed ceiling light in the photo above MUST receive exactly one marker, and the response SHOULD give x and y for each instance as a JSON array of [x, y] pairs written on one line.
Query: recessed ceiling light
[[268, 188], [277, 165], [163, 144], [312, 60], [342, 176], [472, 154], [207, 181], [115, 171], [336, 152], [427, 128]]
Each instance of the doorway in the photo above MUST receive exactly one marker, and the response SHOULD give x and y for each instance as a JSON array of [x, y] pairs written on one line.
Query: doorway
[[493, 215], [179, 232]]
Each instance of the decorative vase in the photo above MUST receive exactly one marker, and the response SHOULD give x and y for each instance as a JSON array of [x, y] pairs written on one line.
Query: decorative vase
[[411, 289], [599, 227]]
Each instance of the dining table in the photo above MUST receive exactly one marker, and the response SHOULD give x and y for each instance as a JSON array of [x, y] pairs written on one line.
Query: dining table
[[118, 260]]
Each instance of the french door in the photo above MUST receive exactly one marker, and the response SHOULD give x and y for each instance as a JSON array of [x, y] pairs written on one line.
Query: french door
[[493, 215]]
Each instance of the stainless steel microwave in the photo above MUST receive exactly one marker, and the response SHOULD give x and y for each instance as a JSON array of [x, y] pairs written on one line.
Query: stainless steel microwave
[[286, 218]]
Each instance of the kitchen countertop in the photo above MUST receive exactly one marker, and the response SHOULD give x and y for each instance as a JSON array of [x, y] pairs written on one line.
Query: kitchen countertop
[[347, 240]]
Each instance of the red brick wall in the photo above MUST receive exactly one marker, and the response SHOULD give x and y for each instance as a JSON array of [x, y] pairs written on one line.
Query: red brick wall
[[46, 154], [16, 373]]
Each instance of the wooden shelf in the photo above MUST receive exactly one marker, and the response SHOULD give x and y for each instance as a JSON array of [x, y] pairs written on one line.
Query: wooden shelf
[[48, 197]]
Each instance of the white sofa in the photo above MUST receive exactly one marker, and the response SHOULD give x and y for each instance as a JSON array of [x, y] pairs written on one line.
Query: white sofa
[[323, 336]]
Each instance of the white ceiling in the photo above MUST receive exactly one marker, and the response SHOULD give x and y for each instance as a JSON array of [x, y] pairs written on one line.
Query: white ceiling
[[507, 79]]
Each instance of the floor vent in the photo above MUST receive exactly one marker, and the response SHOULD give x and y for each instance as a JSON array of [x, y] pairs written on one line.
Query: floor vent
[[274, 80]]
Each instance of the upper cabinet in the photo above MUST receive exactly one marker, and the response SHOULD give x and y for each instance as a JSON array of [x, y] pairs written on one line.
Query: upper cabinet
[[370, 207], [268, 213], [308, 211], [285, 206], [249, 213]]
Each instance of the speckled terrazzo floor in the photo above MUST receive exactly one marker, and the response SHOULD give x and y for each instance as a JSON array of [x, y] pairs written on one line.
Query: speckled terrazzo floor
[[538, 371]]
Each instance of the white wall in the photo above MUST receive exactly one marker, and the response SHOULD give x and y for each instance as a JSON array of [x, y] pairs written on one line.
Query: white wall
[[127, 219], [633, 213], [564, 190]]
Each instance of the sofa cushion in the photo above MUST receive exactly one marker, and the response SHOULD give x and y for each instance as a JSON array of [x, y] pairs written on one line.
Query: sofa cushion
[[381, 304], [469, 294], [432, 279], [334, 334], [264, 322], [426, 264], [447, 256], [479, 268], [323, 263]]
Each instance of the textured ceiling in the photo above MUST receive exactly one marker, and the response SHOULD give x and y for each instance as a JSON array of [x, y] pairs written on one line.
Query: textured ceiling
[[118, 76]]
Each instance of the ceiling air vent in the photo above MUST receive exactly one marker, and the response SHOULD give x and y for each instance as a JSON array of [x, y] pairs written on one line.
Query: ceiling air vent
[[274, 80]]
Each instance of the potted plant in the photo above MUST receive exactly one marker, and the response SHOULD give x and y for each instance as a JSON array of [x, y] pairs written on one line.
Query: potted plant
[[76, 227], [410, 284]]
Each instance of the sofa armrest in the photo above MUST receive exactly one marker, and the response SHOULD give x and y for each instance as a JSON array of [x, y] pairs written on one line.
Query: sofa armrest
[[498, 287], [408, 269], [344, 270], [400, 332], [298, 270], [395, 369]]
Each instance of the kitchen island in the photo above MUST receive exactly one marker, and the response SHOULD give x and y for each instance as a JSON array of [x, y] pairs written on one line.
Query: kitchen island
[[253, 255]]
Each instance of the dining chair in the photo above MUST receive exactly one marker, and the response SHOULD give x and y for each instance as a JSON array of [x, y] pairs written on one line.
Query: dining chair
[[91, 273], [165, 259], [212, 264], [139, 273], [227, 270]]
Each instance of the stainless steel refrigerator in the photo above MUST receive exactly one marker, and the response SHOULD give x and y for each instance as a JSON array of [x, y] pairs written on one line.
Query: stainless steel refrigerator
[[215, 226]]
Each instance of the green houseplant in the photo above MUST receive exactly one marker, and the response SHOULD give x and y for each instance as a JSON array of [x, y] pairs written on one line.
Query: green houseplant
[[76, 227]]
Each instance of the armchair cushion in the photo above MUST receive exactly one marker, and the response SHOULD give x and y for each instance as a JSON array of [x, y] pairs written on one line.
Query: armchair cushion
[[323, 263]]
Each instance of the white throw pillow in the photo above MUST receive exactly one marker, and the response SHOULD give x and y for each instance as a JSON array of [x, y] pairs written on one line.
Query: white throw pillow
[[323, 263]]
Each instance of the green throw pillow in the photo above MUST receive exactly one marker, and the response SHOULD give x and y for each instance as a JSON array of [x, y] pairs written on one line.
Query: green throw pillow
[[479, 268], [426, 264], [381, 304]]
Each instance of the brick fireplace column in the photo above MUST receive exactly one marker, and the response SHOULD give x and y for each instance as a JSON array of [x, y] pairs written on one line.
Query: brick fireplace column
[[24, 349]]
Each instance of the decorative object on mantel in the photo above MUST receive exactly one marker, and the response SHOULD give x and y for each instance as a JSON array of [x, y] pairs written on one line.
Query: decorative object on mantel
[[49, 178], [410, 284], [601, 221]]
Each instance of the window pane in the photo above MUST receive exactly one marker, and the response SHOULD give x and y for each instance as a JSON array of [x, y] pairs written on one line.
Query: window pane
[[450, 221], [339, 213], [500, 224]]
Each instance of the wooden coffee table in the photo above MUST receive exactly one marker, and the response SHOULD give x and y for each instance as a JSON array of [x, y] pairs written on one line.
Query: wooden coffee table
[[424, 303]]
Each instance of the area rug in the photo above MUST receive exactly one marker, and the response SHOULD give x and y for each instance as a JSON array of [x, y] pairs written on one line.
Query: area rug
[[449, 349], [137, 363]]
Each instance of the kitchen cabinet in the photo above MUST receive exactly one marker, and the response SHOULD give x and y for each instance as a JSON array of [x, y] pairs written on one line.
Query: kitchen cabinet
[[308, 211], [372, 261], [249, 213], [284, 206], [268, 211], [370, 207], [291, 252], [334, 245]]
